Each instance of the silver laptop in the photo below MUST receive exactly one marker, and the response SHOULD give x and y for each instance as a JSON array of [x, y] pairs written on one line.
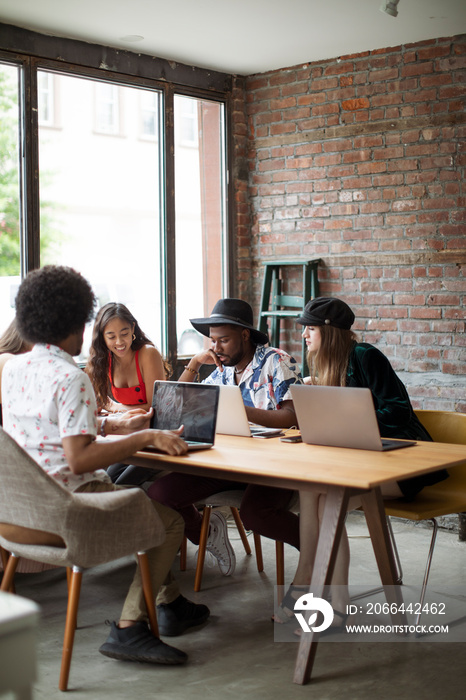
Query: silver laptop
[[232, 418], [189, 404], [340, 417]]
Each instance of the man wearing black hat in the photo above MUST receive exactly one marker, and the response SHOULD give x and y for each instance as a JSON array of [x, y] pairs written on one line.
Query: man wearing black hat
[[264, 374]]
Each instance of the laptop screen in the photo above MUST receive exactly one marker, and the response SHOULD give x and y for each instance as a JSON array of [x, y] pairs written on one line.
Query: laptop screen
[[185, 403]]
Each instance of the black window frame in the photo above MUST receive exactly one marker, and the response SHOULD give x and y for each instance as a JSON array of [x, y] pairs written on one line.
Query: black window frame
[[32, 52]]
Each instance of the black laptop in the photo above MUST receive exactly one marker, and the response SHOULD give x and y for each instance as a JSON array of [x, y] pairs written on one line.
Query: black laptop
[[189, 404]]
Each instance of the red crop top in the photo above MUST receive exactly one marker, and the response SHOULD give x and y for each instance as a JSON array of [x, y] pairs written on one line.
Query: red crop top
[[129, 395]]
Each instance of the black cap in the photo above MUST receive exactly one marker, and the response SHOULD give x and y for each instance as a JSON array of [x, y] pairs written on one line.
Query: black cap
[[324, 311]]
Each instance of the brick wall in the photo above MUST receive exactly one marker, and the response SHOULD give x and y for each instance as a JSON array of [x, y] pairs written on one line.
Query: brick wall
[[360, 161]]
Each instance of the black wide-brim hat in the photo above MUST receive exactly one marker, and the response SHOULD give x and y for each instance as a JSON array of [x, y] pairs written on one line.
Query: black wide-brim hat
[[231, 312], [325, 311]]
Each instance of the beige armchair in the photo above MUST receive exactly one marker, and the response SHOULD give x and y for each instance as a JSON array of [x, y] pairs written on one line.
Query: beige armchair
[[41, 520]]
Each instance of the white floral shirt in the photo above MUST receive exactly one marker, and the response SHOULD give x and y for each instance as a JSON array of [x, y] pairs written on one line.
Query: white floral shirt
[[46, 397], [266, 380]]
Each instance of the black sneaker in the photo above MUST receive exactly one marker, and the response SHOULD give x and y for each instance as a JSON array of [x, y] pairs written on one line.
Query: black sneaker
[[137, 643], [175, 617]]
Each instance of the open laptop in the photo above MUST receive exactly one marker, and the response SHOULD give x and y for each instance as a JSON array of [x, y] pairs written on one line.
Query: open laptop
[[184, 403], [340, 417], [232, 418]]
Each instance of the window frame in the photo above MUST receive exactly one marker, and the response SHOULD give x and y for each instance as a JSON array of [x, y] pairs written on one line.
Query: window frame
[[135, 71]]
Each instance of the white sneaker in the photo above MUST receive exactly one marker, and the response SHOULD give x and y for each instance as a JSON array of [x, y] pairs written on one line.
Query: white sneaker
[[219, 545]]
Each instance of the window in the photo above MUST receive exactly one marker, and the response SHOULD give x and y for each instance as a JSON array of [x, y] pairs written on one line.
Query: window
[[142, 218], [149, 114], [10, 218], [46, 99], [199, 211], [107, 108], [187, 121], [100, 202]]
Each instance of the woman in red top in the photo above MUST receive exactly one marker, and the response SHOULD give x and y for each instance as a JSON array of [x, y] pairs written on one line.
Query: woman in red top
[[123, 363], [123, 366]]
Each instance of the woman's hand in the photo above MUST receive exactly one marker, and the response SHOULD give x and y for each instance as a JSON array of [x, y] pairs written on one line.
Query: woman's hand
[[113, 406]]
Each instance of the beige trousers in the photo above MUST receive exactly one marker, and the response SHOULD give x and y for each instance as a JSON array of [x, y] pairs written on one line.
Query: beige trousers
[[160, 559]]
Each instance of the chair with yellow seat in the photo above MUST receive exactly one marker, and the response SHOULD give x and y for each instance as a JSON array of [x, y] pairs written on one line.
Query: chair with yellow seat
[[444, 498]]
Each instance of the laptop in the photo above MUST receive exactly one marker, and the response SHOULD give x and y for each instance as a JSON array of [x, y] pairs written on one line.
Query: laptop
[[189, 404], [232, 418], [340, 417]]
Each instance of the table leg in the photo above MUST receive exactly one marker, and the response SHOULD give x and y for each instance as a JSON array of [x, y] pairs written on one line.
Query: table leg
[[374, 510], [333, 522]]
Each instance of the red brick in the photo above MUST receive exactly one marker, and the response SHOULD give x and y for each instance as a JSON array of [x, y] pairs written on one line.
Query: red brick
[[325, 109], [435, 80], [283, 103], [360, 103], [338, 68], [314, 98], [294, 89], [324, 84], [380, 75], [346, 80], [364, 168], [417, 69]]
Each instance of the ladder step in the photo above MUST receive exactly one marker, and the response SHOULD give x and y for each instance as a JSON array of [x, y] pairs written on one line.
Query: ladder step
[[284, 313], [273, 301]]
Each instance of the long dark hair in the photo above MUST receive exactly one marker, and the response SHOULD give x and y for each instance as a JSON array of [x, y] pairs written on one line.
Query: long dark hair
[[328, 366], [98, 363]]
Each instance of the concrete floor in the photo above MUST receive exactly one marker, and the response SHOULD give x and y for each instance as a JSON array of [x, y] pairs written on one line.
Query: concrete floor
[[234, 655]]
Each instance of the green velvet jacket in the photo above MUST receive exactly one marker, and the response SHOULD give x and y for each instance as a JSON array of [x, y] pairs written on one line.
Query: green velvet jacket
[[368, 367]]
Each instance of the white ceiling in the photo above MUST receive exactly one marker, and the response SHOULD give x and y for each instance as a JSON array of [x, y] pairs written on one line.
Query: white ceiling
[[240, 36]]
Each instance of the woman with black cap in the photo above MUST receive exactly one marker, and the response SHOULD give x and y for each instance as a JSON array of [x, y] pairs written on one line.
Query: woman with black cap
[[336, 358]]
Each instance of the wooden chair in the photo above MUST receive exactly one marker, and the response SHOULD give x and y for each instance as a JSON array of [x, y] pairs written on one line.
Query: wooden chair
[[232, 499], [447, 496], [43, 521]]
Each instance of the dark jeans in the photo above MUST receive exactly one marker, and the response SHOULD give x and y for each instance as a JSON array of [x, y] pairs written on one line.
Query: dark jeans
[[129, 475], [263, 510]]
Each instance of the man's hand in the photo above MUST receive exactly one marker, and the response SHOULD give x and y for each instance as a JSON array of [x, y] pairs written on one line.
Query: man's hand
[[168, 441], [206, 357], [130, 421], [85, 454]]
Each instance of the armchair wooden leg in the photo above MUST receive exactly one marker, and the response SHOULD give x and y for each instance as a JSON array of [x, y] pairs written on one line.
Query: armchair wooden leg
[[5, 555], [202, 547], [258, 549], [8, 573], [70, 626], [280, 559], [183, 553], [148, 592], [240, 526]]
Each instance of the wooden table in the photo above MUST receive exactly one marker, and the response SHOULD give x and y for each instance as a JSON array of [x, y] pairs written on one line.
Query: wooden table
[[342, 473]]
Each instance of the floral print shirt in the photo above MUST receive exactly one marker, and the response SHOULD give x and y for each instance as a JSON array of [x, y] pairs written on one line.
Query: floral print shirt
[[47, 397], [266, 380]]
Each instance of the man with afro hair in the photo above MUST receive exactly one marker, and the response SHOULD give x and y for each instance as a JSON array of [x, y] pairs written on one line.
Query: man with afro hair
[[49, 408]]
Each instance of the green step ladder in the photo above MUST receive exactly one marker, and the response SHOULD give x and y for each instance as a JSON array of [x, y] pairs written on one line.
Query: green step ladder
[[277, 306]]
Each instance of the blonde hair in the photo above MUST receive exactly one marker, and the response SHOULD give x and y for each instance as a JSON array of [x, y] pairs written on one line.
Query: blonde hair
[[328, 366], [11, 342]]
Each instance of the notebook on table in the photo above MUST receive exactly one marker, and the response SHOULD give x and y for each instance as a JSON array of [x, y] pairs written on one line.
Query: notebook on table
[[232, 418], [189, 404], [340, 417]]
